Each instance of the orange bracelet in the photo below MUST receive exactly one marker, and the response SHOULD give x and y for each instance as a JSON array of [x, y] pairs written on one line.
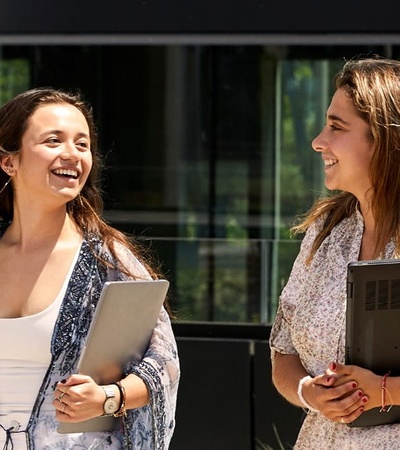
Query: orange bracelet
[[384, 407]]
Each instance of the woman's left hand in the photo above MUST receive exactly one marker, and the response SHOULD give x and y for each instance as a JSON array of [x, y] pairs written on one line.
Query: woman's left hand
[[78, 398], [367, 381]]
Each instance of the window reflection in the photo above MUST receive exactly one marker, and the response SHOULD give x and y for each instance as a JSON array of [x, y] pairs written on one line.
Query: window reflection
[[208, 156]]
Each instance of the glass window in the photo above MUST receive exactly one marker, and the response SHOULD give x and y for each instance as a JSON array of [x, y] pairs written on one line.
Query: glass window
[[208, 155], [14, 77]]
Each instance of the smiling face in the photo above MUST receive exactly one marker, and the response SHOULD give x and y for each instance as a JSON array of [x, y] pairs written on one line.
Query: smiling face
[[55, 158], [346, 147]]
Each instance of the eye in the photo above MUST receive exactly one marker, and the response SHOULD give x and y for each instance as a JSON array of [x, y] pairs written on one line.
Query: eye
[[53, 140], [84, 145]]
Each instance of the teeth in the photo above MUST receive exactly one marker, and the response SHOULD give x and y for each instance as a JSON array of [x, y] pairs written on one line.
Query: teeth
[[69, 172], [330, 162]]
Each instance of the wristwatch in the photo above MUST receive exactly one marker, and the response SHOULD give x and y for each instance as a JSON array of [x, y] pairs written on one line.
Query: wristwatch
[[110, 405]]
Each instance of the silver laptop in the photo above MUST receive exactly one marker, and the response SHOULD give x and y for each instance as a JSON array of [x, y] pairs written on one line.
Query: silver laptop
[[120, 332]]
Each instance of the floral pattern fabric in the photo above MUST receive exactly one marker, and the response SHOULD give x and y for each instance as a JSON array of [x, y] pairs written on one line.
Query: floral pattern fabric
[[147, 428], [310, 322]]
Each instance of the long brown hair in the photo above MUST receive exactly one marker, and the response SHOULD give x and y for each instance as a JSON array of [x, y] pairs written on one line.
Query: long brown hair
[[86, 209], [373, 84]]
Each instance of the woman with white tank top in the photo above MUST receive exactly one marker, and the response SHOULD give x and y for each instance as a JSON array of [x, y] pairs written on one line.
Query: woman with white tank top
[[56, 253]]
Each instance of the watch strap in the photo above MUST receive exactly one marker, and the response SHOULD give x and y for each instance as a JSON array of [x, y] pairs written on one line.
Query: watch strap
[[109, 391]]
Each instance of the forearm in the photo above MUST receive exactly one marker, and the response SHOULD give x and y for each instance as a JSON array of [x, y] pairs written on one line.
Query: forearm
[[130, 392], [287, 371], [136, 392]]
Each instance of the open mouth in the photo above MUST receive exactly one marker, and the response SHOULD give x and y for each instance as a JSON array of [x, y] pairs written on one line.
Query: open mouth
[[330, 162], [66, 173]]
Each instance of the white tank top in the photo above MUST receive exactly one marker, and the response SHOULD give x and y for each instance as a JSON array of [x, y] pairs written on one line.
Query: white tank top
[[24, 358]]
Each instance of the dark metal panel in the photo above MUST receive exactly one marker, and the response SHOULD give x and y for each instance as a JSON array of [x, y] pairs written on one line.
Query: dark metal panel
[[214, 398], [276, 422], [206, 16]]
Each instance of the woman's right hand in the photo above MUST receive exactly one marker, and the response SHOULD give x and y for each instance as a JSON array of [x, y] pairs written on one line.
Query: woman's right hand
[[78, 398]]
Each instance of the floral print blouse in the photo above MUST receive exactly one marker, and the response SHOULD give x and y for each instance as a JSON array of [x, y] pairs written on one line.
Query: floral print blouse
[[310, 322], [147, 428]]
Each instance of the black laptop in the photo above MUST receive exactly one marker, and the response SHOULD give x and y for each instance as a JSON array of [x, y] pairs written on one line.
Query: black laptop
[[373, 326]]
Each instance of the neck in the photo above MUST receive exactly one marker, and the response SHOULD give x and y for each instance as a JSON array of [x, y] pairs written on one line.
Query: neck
[[31, 230], [369, 240]]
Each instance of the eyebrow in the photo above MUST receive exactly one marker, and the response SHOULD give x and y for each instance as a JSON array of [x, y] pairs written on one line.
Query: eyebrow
[[58, 132], [337, 119]]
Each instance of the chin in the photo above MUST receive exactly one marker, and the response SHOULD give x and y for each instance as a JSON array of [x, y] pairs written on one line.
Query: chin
[[329, 184], [330, 187]]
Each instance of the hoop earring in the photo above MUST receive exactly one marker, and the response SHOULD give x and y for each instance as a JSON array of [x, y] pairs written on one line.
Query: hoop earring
[[5, 185]]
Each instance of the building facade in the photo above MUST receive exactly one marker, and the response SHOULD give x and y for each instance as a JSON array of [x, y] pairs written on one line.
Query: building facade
[[205, 114]]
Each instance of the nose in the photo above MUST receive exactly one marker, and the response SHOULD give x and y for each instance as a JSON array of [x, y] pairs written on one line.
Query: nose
[[318, 143], [70, 152]]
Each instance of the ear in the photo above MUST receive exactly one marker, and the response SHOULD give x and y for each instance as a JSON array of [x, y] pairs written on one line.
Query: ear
[[9, 164]]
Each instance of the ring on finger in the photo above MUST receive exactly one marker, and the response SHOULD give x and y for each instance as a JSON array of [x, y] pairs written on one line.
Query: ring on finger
[[342, 419], [60, 397]]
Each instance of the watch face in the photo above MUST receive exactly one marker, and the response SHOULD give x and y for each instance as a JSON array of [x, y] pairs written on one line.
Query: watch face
[[110, 405]]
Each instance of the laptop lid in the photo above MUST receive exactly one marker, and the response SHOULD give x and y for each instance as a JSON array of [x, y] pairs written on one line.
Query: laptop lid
[[373, 325], [120, 332]]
